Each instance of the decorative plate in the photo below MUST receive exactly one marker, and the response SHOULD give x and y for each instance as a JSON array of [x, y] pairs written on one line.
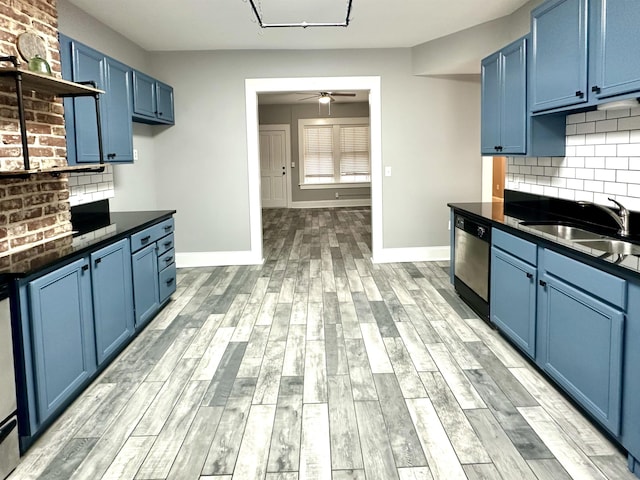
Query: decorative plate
[[30, 44]]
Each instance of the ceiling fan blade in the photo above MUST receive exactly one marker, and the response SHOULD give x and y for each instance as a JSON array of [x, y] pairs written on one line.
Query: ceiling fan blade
[[308, 98], [342, 94]]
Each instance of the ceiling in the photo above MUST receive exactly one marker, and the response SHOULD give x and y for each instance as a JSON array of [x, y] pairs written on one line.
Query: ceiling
[[167, 25], [304, 97]]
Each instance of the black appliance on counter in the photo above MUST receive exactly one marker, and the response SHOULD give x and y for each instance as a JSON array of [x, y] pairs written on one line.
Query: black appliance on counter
[[472, 239]]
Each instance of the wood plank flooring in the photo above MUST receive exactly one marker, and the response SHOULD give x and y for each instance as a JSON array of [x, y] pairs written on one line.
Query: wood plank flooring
[[319, 364]]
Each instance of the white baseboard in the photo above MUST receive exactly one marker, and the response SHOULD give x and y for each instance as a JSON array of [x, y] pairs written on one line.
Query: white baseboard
[[216, 259], [414, 254], [354, 202]]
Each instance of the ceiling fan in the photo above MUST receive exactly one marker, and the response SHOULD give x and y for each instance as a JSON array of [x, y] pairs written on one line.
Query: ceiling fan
[[326, 97]]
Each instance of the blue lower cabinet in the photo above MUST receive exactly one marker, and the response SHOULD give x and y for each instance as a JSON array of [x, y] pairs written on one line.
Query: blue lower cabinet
[[513, 299], [580, 344], [62, 335], [167, 281], [630, 434], [112, 298], [145, 284]]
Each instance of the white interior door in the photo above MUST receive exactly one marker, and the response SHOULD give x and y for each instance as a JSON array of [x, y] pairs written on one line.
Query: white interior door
[[273, 168]]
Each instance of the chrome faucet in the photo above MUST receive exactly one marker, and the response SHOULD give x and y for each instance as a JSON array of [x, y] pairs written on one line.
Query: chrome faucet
[[622, 218]]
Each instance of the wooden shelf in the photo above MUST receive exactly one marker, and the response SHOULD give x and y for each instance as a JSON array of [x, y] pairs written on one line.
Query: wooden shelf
[[54, 171], [45, 83]]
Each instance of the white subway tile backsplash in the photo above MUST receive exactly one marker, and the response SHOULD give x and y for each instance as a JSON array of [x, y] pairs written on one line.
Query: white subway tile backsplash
[[634, 163], [605, 175], [586, 151], [594, 162], [613, 188], [602, 159], [595, 115], [595, 138], [89, 187], [587, 127], [629, 150], [576, 140], [617, 137], [623, 112], [606, 150], [607, 125], [628, 176], [617, 163], [576, 118]]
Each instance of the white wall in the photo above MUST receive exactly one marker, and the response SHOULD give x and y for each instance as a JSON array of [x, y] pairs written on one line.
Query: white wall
[[460, 53], [430, 136]]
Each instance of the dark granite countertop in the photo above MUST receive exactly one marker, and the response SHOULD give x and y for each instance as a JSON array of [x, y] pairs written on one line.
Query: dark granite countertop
[[495, 214], [85, 238]]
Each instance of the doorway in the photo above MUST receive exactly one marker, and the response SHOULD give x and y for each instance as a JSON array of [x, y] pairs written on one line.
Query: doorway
[[271, 85], [499, 173]]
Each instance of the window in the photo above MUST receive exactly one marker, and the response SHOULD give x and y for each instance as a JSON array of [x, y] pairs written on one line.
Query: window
[[334, 151]]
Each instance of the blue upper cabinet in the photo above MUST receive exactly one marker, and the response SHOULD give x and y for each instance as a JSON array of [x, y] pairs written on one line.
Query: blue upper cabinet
[[614, 52], [81, 63], [491, 101], [504, 100], [164, 96], [559, 64], [506, 128], [152, 100]]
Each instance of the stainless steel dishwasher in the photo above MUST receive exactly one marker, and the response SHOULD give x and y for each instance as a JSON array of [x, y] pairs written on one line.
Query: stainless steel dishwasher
[[9, 451], [471, 263]]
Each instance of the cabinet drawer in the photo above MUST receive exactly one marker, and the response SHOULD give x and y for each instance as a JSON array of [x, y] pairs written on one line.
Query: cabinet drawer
[[166, 259], [600, 284], [144, 238], [165, 244], [516, 246], [165, 227], [167, 282]]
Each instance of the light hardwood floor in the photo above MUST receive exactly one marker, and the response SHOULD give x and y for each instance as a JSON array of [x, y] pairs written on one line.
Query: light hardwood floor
[[320, 365]]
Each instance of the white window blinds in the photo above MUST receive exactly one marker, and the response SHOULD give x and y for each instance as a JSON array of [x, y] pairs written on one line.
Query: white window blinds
[[318, 152], [354, 150]]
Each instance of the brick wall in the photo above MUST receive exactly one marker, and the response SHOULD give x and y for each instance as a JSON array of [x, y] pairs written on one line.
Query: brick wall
[[602, 160], [35, 209]]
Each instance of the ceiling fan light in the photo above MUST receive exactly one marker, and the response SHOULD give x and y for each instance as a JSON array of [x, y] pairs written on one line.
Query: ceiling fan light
[[324, 99]]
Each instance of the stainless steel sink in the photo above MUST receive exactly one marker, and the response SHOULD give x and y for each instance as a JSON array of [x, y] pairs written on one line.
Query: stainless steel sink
[[611, 245], [566, 232]]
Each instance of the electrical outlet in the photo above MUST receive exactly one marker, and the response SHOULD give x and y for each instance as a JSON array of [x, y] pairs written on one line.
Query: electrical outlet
[[135, 154], [337, 195], [387, 171], [293, 164]]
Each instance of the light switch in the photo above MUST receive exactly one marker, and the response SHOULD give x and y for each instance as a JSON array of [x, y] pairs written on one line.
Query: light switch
[[293, 164], [135, 154], [387, 171]]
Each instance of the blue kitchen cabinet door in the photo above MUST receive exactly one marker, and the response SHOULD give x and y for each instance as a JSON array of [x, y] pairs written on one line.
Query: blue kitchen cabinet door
[[630, 431], [146, 295], [112, 298], [63, 346], [513, 299], [87, 65], [513, 106], [613, 52], [164, 97], [558, 76], [580, 346], [491, 100], [144, 95], [119, 141]]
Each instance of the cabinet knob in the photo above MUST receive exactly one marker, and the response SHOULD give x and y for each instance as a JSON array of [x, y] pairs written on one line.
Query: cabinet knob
[[542, 283], [170, 281], [98, 260], [111, 156], [595, 89], [145, 239], [85, 268], [580, 94], [529, 275]]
